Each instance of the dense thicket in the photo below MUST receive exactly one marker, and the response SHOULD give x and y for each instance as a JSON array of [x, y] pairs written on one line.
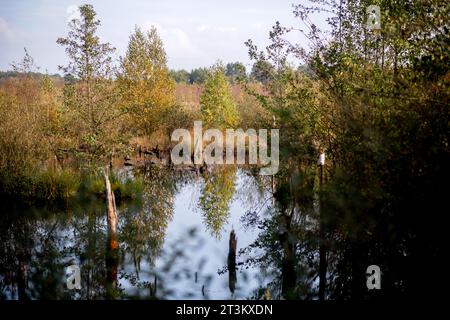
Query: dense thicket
[[376, 101]]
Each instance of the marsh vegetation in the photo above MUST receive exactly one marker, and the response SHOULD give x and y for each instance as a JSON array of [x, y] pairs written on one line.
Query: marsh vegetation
[[374, 101]]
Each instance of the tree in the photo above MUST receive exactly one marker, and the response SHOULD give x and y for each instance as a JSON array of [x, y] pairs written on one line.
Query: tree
[[389, 88], [26, 65], [262, 71], [198, 75], [377, 101], [145, 82], [21, 126], [180, 76], [92, 103], [235, 71], [216, 103]]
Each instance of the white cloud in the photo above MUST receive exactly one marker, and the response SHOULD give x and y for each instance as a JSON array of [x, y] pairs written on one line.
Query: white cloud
[[72, 12], [226, 29], [176, 41], [6, 30], [207, 28], [257, 26], [202, 28]]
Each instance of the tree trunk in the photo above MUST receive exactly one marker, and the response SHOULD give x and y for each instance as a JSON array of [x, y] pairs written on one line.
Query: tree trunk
[[232, 262], [111, 204], [322, 248], [288, 272], [21, 280], [112, 245]]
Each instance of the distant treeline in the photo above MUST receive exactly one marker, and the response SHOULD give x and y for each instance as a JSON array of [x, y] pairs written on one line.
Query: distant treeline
[[11, 74], [234, 71]]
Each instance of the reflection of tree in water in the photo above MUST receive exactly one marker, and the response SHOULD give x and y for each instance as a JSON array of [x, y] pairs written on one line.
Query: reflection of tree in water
[[358, 231], [217, 192], [35, 250], [144, 226], [287, 244], [87, 247], [15, 253], [36, 245]]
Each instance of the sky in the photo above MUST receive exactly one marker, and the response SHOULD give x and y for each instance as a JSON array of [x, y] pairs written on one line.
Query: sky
[[196, 33]]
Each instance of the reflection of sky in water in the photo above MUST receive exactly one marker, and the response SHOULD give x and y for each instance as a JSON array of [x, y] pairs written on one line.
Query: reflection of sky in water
[[56, 238], [203, 253]]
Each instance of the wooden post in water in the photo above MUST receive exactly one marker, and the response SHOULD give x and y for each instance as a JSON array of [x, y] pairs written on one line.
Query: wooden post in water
[[232, 262], [112, 245], [153, 288]]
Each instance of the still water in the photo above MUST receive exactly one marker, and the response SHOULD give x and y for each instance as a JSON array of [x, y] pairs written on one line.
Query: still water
[[223, 234], [173, 243]]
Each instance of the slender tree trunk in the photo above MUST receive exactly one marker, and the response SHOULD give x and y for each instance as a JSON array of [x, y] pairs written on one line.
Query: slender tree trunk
[[273, 191], [91, 252], [358, 265], [21, 280], [288, 273], [395, 61], [322, 248], [112, 246], [382, 52], [111, 204], [340, 25]]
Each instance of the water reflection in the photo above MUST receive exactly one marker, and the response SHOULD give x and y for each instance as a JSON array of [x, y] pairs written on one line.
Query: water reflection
[[217, 191], [224, 234], [170, 244], [288, 243], [231, 263]]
